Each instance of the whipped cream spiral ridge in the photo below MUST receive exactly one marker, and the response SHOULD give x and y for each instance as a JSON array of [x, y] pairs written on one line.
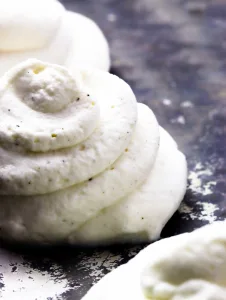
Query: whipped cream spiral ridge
[[59, 127]]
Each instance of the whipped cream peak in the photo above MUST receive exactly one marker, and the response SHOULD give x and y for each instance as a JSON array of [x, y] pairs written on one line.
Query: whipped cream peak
[[27, 24], [44, 108], [44, 87]]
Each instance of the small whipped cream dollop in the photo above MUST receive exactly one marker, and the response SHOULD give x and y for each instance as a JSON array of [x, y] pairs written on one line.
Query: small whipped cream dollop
[[43, 29], [81, 161], [190, 266]]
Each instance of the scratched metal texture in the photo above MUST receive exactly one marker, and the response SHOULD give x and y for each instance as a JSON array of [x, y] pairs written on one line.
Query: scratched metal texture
[[173, 54]]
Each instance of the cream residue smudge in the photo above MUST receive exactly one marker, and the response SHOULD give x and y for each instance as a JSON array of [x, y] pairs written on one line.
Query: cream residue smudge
[[99, 263], [102, 262], [111, 17], [167, 102], [196, 182], [21, 281], [179, 120], [206, 212], [199, 184], [186, 104]]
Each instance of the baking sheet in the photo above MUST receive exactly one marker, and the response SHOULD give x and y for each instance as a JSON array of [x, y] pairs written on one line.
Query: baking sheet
[[173, 54]]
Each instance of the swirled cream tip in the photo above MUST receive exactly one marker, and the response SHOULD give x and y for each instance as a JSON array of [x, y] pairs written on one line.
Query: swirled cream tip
[[34, 97]]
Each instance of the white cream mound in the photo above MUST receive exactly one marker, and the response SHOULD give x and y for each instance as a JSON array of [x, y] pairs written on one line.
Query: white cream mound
[[80, 161], [43, 29], [190, 266]]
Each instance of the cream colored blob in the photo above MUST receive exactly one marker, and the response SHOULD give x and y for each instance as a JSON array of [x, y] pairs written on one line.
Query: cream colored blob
[[190, 266], [44, 30], [80, 160]]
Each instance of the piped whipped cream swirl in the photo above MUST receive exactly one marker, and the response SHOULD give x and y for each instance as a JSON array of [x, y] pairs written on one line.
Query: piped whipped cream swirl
[[79, 155], [43, 29]]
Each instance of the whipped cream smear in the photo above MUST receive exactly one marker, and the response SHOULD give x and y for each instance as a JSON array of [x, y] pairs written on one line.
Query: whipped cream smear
[[81, 161], [45, 30]]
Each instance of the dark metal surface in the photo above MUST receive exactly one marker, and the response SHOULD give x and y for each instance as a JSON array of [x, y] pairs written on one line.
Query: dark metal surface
[[173, 54]]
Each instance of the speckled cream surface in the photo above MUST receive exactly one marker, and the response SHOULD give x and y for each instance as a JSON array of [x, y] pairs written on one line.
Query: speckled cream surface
[[81, 161]]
